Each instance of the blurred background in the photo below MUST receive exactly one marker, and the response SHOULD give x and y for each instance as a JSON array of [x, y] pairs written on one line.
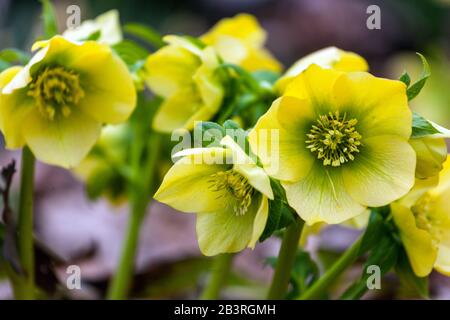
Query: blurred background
[[169, 264]]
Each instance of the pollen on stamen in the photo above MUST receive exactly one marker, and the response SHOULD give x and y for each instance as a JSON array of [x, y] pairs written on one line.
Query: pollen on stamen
[[56, 91], [334, 139], [233, 183]]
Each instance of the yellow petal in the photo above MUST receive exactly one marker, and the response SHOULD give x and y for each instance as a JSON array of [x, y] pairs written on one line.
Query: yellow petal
[[379, 105], [107, 23], [321, 197], [421, 186], [418, 243], [443, 260], [223, 231], [240, 40], [260, 222], [64, 141], [382, 172], [316, 85], [260, 59], [187, 186], [244, 27], [247, 167], [109, 93], [328, 58], [180, 111], [279, 139], [208, 84], [431, 154], [14, 108], [170, 69]]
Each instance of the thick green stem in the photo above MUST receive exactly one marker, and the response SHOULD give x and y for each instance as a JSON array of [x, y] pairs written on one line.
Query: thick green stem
[[142, 186], [317, 290], [285, 262], [121, 282], [219, 274], [25, 226]]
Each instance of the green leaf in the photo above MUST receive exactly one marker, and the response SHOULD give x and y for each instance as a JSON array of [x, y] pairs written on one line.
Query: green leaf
[[49, 19], [304, 273], [384, 255], [373, 233], [12, 55], [280, 214], [421, 127], [130, 52], [145, 33], [211, 134], [94, 36], [266, 76], [405, 79], [415, 89], [408, 278]]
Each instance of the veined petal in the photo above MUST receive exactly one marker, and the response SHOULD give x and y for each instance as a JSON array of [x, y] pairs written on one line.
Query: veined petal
[[187, 186], [382, 172], [379, 105], [222, 231], [279, 139], [64, 141], [418, 243], [247, 167], [321, 196]]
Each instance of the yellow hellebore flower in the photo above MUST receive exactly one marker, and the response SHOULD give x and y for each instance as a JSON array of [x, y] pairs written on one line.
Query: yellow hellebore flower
[[58, 102], [240, 40], [108, 24], [228, 192], [185, 76], [338, 142], [423, 220], [327, 58]]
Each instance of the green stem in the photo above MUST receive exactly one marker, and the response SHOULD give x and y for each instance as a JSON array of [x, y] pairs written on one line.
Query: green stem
[[139, 198], [25, 226], [320, 286], [285, 262], [219, 273]]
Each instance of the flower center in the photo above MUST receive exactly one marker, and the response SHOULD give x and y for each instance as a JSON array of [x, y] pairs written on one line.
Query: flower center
[[56, 90], [427, 221], [235, 185], [334, 139]]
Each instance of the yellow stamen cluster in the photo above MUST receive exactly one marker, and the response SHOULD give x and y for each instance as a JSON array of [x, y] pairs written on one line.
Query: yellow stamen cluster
[[56, 90], [334, 139], [427, 221], [235, 185]]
